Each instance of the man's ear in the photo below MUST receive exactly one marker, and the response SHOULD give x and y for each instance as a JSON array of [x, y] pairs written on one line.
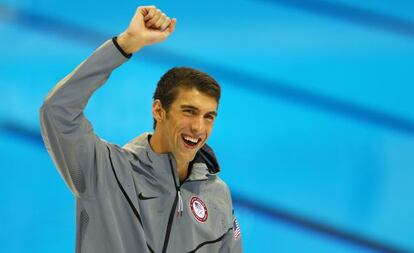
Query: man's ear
[[158, 111]]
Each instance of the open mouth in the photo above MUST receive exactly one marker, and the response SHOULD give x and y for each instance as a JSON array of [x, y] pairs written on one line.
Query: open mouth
[[190, 142]]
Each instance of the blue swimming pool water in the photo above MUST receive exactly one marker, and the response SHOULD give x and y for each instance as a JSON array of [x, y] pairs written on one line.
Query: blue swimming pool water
[[316, 119]]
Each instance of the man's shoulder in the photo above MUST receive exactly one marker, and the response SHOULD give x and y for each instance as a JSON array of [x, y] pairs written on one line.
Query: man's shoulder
[[138, 144], [220, 182], [220, 186]]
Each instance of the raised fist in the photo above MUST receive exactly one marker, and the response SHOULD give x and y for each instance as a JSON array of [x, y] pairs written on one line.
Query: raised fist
[[148, 26]]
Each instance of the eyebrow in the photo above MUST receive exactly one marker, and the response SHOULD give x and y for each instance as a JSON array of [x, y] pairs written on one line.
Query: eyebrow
[[196, 109]]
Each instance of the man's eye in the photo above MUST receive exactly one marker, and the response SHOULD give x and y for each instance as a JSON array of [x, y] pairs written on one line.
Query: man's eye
[[190, 112], [210, 117]]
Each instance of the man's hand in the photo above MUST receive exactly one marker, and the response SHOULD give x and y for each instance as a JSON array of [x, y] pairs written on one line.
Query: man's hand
[[148, 26]]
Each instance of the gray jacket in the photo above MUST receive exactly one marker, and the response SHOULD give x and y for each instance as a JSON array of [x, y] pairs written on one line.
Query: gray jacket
[[129, 199]]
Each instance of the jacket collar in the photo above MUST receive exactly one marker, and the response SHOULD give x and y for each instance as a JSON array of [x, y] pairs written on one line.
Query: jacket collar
[[203, 166]]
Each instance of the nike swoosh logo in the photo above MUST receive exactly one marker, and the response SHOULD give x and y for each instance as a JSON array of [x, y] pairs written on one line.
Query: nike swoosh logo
[[142, 197]]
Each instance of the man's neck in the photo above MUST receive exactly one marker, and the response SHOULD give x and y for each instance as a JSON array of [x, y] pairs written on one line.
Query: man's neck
[[182, 166], [155, 143], [182, 169]]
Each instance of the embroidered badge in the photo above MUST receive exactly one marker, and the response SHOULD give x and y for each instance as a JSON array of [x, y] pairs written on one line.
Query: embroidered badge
[[236, 229], [199, 209]]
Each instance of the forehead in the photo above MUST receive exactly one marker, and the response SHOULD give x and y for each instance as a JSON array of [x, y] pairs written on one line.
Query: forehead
[[195, 98]]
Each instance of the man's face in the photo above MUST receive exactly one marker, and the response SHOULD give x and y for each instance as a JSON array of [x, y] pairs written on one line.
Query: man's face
[[188, 123]]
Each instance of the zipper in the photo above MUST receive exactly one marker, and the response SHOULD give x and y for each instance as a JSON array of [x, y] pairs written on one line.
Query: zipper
[[180, 204], [177, 201]]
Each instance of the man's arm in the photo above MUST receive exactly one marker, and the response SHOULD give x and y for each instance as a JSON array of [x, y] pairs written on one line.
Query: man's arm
[[67, 134], [232, 241]]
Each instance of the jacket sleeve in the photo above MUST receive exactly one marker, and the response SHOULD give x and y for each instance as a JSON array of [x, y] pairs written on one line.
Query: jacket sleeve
[[232, 241], [67, 134]]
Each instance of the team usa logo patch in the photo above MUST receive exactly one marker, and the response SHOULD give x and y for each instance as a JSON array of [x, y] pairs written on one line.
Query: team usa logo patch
[[236, 229], [199, 209]]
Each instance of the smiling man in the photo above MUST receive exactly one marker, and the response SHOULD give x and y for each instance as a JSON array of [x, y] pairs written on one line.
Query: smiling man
[[184, 109], [160, 192]]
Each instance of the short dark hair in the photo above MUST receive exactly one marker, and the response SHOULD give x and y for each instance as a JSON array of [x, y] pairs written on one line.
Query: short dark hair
[[187, 78]]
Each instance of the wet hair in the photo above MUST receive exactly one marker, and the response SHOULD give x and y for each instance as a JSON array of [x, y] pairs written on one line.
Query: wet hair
[[187, 78]]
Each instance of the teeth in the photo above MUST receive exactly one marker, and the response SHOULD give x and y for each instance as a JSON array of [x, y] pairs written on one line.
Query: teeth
[[188, 138]]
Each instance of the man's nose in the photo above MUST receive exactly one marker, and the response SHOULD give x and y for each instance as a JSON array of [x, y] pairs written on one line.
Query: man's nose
[[197, 125]]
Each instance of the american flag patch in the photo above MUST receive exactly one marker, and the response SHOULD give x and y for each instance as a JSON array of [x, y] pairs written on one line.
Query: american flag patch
[[236, 229]]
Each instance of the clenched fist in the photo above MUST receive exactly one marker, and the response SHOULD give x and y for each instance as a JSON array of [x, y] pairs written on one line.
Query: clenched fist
[[148, 26]]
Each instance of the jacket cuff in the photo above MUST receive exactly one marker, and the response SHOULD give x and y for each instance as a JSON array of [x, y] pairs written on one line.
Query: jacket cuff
[[119, 48]]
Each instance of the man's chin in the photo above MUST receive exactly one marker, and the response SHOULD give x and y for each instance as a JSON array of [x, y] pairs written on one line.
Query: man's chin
[[188, 153], [190, 157], [186, 156]]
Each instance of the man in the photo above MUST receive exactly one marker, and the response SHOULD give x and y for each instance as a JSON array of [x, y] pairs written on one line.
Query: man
[[160, 192]]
